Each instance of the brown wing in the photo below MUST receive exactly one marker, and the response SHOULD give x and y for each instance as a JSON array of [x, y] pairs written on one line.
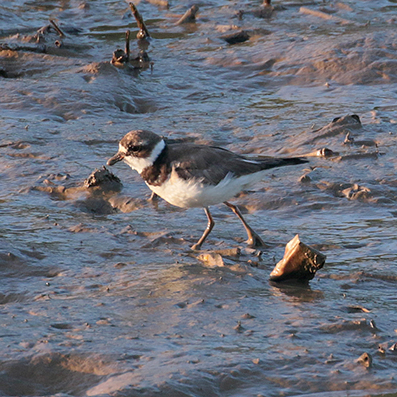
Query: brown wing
[[211, 164]]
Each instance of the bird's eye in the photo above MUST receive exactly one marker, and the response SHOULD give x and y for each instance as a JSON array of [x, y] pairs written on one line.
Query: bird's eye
[[135, 149]]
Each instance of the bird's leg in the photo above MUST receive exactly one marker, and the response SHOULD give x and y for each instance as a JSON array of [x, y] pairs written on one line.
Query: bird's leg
[[153, 197], [207, 231], [253, 238]]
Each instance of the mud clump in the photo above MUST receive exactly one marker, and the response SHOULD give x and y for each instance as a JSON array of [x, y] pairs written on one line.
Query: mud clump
[[103, 178]]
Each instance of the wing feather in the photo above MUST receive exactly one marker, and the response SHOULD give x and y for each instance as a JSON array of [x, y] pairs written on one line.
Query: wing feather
[[211, 164]]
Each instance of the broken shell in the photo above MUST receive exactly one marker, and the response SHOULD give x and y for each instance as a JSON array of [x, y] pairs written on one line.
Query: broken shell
[[365, 359], [300, 262]]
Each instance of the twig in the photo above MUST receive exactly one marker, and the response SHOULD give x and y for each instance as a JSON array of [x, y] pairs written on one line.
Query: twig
[[189, 16], [127, 45], [57, 28], [320, 14], [143, 32]]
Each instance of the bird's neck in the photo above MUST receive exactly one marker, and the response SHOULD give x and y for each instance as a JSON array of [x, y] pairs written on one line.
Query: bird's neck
[[141, 163], [158, 171]]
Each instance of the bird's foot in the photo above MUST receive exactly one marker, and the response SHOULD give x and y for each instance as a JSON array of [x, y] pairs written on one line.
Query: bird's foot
[[254, 240], [154, 198], [196, 247]]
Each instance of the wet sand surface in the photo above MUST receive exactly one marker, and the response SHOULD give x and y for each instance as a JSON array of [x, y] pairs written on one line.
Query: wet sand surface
[[100, 292]]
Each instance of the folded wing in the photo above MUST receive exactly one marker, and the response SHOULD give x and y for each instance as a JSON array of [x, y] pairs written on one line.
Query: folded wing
[[211, 164]]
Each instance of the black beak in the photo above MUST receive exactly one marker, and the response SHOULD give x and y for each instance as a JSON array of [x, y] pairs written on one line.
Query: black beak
[[116, 158]]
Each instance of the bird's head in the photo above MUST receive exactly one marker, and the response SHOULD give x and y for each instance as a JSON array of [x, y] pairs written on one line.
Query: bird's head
[[139, 149]]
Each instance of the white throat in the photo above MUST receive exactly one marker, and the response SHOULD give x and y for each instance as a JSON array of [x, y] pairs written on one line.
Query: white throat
[[140, 163]]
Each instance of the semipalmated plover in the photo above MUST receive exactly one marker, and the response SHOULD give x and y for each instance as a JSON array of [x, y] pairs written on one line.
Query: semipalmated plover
[[188, 175]]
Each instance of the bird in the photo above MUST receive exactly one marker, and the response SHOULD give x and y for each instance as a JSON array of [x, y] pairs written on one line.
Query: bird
[[190, 175]]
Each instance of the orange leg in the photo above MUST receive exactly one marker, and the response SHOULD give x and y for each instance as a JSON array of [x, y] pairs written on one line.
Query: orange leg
[[207, 231], [253, 238]]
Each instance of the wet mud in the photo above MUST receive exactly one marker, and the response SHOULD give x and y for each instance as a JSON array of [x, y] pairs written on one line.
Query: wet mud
[[101, 294]]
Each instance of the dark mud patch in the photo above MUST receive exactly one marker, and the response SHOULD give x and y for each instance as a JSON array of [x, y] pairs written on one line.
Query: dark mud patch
[[21, 266], [51, 374]]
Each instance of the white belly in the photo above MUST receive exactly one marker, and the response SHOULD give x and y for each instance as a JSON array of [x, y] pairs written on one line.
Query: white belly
[[188, 194]]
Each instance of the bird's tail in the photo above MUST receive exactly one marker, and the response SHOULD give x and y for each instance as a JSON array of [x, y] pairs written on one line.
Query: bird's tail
[[280, 162]]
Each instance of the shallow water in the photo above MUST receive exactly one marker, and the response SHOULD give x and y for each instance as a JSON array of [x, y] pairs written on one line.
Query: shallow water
[[101, 294]]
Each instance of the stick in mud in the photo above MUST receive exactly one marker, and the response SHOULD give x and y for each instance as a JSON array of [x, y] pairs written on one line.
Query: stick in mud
[[56, 27], [127, 45], [189, 16], [143, 32], [320, 14]]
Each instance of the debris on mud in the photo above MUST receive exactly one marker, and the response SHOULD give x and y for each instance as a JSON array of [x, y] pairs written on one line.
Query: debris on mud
[[189, 16], [238, 37], [300, 262], [324, 15], [143, 32], [339, 125], [265, 11], [47, 39], [104, 178], [93, 196], [141, 59], [365, 359], [347, 190]]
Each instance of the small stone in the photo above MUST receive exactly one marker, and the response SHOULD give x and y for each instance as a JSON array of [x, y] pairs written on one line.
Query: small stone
[[211, 259], [305, 179], [247, 316], [235, 38], [382, 348], [120, 265]]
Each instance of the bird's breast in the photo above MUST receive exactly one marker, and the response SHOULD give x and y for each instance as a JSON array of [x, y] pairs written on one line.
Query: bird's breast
[[189, 193]]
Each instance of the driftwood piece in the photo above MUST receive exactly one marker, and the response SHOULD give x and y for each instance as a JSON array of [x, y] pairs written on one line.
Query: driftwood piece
[[127, 44], [339, 125], [324, 15], [300, 262], [143, 32], [56, 27], [120, 56], [41, 49], [189, 16]]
